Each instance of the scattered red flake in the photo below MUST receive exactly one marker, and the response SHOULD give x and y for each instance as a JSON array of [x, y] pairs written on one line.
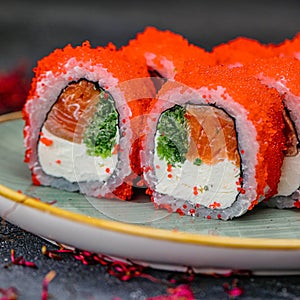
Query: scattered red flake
[[233, 290], [192, 211], [181, 292], [169, 169], [47, 142], [58, 161], [19, 191], [10, 293], [20, 260], [70, 78], [297, 203], [170, 175], [157, 166], [107, 170], [184, 206], [198, 205], [106, 96], [123, 121], [47, 279], [219, 216], [242, 151], [208, 217]]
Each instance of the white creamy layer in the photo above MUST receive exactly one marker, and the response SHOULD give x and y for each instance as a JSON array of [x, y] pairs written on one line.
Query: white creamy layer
[[70, 160], [290, 175], [213, 186]]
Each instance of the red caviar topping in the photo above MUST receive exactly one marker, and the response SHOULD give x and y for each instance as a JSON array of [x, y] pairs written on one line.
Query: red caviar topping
[[170, 175], [184, 206], [107, 170], [208, 217], [58, 161]]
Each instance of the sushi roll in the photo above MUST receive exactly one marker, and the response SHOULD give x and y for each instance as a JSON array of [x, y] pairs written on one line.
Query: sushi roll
[[81, 120], [240, 51], [164, 52], [283, 74], [215, 151]]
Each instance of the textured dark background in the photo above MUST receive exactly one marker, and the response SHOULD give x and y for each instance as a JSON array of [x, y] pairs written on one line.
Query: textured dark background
[[31, 29]]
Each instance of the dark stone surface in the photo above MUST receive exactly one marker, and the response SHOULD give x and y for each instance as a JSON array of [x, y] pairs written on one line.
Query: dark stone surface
[[74, 280], [31, 29]]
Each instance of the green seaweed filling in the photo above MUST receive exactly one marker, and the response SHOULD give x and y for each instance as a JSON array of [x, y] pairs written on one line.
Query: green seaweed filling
[[172, 142], [100, 135]]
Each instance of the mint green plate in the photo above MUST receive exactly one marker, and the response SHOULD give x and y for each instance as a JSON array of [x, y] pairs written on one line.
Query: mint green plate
[[263, 240]]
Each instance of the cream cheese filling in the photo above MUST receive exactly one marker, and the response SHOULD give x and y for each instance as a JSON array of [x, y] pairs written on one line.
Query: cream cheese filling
[[290, 175], [62, 158], [210, 185]]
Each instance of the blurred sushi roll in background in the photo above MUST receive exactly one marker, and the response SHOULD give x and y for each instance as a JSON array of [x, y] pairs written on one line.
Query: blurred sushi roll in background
[[79, 130], [215, 151], [165, 52]]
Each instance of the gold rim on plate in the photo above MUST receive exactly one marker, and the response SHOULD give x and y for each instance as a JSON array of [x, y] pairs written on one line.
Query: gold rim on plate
[[146, 231]]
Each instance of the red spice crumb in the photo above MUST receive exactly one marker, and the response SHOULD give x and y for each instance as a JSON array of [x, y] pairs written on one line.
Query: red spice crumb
[[184, 206], [116, 149], [70, 78], [58, 161], [192, 211], [169, 169], [123, 121], [47, 142], [170, 175], [35, 180], [208, 217], [27, 155], [242, 151], [19, 191], [106, 96], [197, 205], [107, 170], [214, 205], [241, 190], [195, 190], [180, 212], [157, 166], [297, 203], [219, 216]]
